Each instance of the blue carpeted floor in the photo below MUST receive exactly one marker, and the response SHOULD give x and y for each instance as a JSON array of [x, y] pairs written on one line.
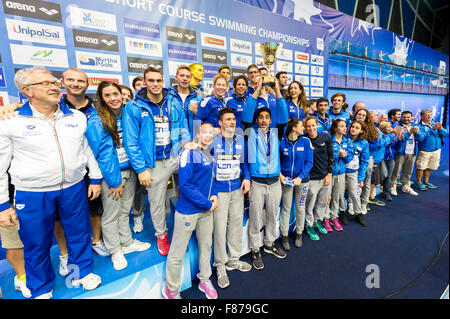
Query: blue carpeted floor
[[402, 239]]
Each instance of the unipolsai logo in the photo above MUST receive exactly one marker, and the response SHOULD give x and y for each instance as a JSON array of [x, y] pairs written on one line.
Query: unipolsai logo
[[43, 53]]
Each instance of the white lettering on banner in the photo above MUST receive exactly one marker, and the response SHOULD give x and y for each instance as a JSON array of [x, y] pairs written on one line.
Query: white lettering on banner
[[228, 167], [181, 13], [146, 5]]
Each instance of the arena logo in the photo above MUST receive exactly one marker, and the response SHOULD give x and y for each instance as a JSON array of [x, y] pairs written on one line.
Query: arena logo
[[213, 41], [144, 47], [93, 61], [141, 28], [181, 35], [95, 40], [92, 19], [39, 56], [34, 32], [138, 65], [214, 56], [35, 9]]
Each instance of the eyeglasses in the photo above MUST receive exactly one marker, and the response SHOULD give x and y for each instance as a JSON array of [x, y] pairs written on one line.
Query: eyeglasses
[[47, 84]]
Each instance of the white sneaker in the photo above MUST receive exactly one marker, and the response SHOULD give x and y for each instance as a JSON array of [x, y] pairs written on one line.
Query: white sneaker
[[135, 245], [21, 286], [48, 295], [100, 248], [88, 282], [363, 209], [138, 225], [394, 190], [409, 190], [119, 261], [63, 270]]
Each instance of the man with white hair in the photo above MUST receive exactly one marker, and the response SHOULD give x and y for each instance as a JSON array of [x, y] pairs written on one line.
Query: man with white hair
[[45, 151], [430, 143]]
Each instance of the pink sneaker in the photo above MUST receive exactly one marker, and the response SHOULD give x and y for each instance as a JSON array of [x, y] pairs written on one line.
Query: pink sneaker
[[337, 225], [326, 224], [208, 288], [167, 295], [163, 244]]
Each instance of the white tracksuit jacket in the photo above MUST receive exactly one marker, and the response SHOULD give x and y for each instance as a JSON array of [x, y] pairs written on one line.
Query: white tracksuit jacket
[[42, 154]]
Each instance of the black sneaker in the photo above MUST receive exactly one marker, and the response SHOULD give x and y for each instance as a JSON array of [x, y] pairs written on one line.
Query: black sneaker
[[257, 260], [376, 201], [298, 240], [360, 219], [278, 252], [285, 243], [343, 218], [387, 197]]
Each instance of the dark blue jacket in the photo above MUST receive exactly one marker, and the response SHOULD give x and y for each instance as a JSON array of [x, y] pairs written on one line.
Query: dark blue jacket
[[296, 158]]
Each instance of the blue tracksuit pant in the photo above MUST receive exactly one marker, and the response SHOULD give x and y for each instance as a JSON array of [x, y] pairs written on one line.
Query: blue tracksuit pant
[[36, 212]]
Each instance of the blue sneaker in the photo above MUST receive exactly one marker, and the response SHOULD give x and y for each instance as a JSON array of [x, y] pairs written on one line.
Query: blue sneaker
[[312, 233], [318, 225], [421, 187], [430, 186]]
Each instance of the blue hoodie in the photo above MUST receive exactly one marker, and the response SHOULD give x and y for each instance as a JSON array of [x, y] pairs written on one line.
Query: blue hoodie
[[430, 140], [278, 109], [196, 179], [231, 162], [296, 158], [324, 124], [174, 100], [294, 110], [341, 115], [110, 158], [360, 161], [340, 163], [237, 104], [209, 109], [378, 147]]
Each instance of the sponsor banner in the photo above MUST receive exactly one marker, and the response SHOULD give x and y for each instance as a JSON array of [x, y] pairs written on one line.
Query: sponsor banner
[[214, 41], [175, 51], [316, 81], [95, 79], [320, 44], [240, 46], [301, 68], [316, 92], [35, 9], [307, 91], [2, 78], [98, 61], [35, 32], [301, 57], [316, 59], [138, 65], [92, 19], [284, 66], [143, 47], [290, 77], [237, 72], [316, 70], [259, 61], [284, 54], [210, 71], [304, 79], [39, 56], [241, 60], [181, 35], [173, 66], [212, 56], [4, 98], [141, 28], [95, 40]]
